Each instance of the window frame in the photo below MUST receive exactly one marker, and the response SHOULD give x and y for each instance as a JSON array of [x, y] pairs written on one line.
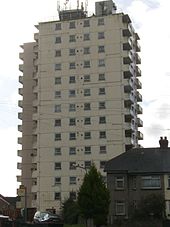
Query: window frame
[[150, 178], [119, 182]]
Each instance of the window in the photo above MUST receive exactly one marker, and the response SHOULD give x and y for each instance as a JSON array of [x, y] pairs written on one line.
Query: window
[[57, 165], [101, 49], [102, 149], [86, 23], [72, 38], [101, 77], [73, 195], [102, 105], [72, 180], [57, 151], [87, 135], [150, 182], [72, 79], [57, 80], [120, 207], [57, 180], [86, 64], [119, 183], [86, 50], [72, 107], [87, 92], [86, 78], [58, 66], [72, 136], [72, 121], [101, 35], [87, 150], [87, 120], [58, 53], [58, 39], [87, 164], [87, 106], [72, 52], [57, 94], [57, 196], [101, 63], [57, 108], [57, 122], [101, 21], [72, 65], [102, 134], [58, 26], [57, 136], [72, 165], [72, 24], [86, 36], [72, 93], [102, 91], [102, 120], [102, 164], [72, 150]]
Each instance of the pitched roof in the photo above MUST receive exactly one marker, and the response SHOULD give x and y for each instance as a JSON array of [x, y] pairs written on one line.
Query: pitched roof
[[141, 160]]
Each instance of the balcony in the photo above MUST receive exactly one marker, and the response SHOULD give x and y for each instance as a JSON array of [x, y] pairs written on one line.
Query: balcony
[[34, 167], [36, 48], [34, 181], [20, 128], [128, 87], [20, 140], [19, 153], [126, 19], [138, 48], [21, 56], [19, 165], [35, 116], [139, 97], [139, 122], [139, 135], [139, 109], [128, 115], [21, 67], [128, 71], [138, 59], [137, 36], [138, 84], [138, 71], [21, 79], [20, 91], [20, 115], [128, 59], [20, 103], [36, 36], [19, 179], [126, 32], [35, 89], [127, 45], [128, 133], [129, 99], [35, 102]]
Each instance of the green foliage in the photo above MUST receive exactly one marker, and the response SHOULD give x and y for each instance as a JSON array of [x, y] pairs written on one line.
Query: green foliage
[[93, 197], [70, 211]]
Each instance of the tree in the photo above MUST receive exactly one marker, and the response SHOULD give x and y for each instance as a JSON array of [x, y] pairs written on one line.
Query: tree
[[94, 197]]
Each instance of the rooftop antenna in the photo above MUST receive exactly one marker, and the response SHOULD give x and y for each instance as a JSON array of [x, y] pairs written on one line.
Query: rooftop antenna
[[86, 5], [82, 7], [58, 6], [78, 4], [65, 3]]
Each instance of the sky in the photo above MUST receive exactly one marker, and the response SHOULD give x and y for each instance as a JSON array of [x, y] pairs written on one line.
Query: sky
[[17, 19]]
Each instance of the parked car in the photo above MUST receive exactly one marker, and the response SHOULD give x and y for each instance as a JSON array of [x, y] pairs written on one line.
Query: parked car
[[47, 217]]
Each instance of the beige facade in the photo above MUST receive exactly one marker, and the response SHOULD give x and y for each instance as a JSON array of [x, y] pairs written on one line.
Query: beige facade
[[80, 102]]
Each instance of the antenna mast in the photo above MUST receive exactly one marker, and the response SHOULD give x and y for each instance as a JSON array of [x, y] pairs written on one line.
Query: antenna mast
[[78, 4], [58, 6], [86, 5], [66, 2]]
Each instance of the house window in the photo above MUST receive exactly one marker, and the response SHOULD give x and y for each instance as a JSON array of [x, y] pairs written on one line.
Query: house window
[[102, 105], [72, 24], [58, 66], [87, 121], [57, 80], [72, 136], [57, 196], [101, 49], [87, 106], [101, 21], [73, 195], [86, 78], [72, 165], [57, 94], [87, 150], [87, 135], [87, 92], [58, 26], [86, 64], [57, 180], [102, 91], [120, 207], [102, 120], [72, 52], [86, 23], [103, 150], [101, 35], [72, 121], [57, 165], [101, 63], [58, 39], [86, 50], [72, 107], [150, 182], [102, 164], [87, 164], [86, 36], [72, 79], [119, 183], [57, 108], [57, 151], [72, 65], [72, 93], [57, 122], [57, 136], [72, 180], [101, 77], [72, 150], [102, 134], [72, 38], [58, 53]]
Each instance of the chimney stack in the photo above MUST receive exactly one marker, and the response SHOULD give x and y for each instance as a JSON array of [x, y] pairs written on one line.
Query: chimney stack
[[163, 142]]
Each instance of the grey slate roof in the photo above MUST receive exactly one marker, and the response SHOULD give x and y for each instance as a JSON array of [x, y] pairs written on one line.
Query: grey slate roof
[[141, 160]]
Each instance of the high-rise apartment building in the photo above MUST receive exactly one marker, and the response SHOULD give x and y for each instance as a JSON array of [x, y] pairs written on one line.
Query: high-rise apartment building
[[80, 100]]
